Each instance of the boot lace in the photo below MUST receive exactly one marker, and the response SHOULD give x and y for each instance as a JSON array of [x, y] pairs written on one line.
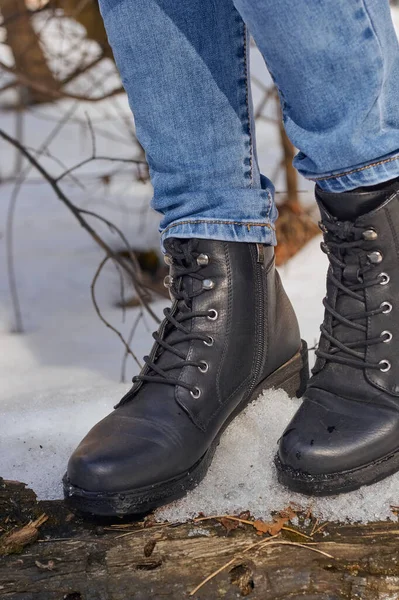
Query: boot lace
[[187, 266], [343, 240]]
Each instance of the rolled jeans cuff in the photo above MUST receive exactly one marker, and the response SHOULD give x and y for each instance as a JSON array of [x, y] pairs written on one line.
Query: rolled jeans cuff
[[223, 230], [373, 173]]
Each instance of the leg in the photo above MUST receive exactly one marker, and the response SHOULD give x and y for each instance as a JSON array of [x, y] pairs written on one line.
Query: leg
[[337, 68], [185, 69], [231, 331], [336, 65]]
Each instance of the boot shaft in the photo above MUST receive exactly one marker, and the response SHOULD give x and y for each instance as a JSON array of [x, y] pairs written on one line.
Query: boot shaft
[[250, 328], [368, 248]]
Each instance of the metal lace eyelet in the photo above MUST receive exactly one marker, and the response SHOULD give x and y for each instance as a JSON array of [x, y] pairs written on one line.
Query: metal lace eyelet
[[168, 281], [203, 260], [370, 235], [322, 227], [211, 341], [212, 314], [208, 284], [196, 393], [388, 307], [384, 278], [203, 367], [388, 336], [387, 365], [375, 257]]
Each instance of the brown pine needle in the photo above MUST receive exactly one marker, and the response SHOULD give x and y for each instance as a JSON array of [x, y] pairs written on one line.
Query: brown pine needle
[[306, 546], [223, 517], [260, 546], [212, 575], [320, 528], [297, 532], [314, 527]]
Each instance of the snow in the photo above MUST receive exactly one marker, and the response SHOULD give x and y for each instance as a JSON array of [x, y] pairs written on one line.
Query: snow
[[62, 374], [242, 475]]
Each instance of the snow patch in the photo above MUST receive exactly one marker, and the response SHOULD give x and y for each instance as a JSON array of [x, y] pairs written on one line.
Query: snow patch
[[242, 475]]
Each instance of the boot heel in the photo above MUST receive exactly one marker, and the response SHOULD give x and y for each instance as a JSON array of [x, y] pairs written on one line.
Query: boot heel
[[304, 372], [297, 375], [292, 377]]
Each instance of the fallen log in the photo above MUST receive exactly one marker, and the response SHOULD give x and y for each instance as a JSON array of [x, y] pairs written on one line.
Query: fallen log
[[77, 559]]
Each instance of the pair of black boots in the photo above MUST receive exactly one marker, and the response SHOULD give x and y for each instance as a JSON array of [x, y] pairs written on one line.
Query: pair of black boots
[[231, 333]]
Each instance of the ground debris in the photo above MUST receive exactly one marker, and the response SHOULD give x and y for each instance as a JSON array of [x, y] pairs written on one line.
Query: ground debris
[[276, 525], [229, 524], [149, 548], [50, 566], [15, 541], [172, 560]]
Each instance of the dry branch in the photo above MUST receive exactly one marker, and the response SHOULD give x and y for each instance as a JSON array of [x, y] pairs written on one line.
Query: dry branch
[[130, 266], [57, 94]]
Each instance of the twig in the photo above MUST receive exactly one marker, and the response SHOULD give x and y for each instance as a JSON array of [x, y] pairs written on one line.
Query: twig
[[54, 93], [10, 219], [132, 269], [129, 341], [103, 319], [93, 158]]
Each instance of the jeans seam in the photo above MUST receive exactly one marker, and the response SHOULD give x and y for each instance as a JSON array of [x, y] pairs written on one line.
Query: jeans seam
[[245, 36], [218, 222], [358, 170]]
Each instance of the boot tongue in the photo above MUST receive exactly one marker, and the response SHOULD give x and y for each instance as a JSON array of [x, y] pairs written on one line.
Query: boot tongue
[[175, 248], [347, 206]]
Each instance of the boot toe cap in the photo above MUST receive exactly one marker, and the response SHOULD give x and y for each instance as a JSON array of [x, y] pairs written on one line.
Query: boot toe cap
[[330, 434], [117, 456]]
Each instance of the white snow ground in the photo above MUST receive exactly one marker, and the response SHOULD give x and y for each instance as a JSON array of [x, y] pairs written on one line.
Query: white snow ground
[[61, 375]]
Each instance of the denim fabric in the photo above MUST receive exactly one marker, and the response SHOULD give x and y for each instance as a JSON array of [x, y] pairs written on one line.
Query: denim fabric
[[185, 68]]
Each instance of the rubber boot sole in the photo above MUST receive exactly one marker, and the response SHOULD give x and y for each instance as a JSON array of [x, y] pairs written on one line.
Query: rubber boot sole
[[291, 377], [333, 484]]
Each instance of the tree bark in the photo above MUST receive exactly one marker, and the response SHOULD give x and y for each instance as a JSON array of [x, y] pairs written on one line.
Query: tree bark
[[76, 559], [29, 57], [87, 13]]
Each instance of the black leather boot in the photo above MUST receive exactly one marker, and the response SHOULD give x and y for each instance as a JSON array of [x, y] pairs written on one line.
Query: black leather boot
[[346, 432], [231, 332]]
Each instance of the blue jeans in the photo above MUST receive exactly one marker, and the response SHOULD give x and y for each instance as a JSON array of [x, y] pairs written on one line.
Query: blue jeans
[[184, 65]]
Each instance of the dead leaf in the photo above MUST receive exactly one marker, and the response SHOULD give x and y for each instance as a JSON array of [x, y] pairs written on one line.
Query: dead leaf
[[229, 524], [16, 540], [274, 527]]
